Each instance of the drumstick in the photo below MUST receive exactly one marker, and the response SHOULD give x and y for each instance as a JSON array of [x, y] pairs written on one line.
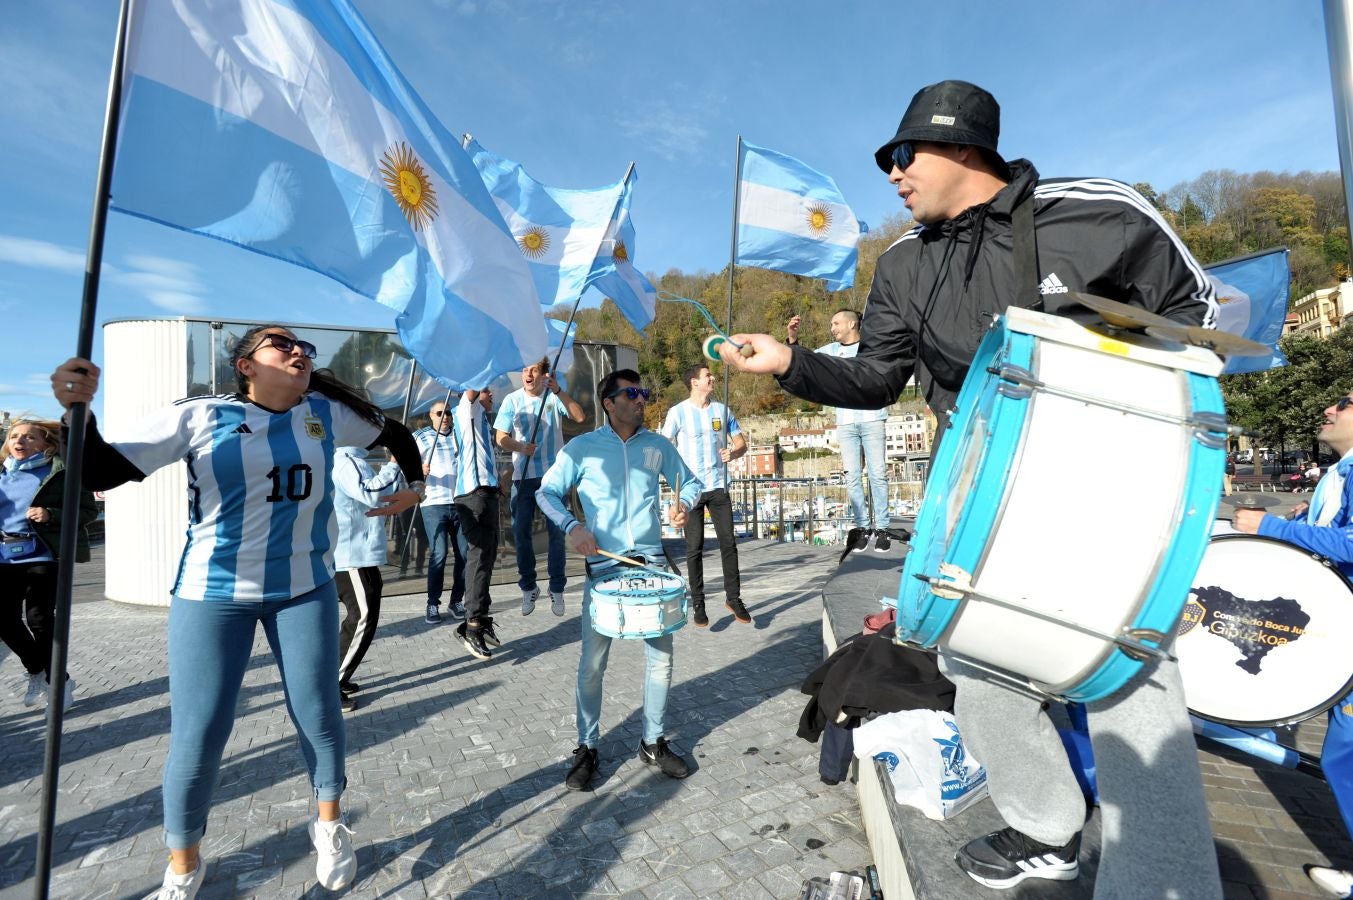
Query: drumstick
[[618, 558]]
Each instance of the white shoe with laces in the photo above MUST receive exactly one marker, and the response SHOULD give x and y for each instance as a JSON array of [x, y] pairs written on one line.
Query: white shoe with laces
[[1335, 882], [557, 602], [180, 887], [336, 862], [528, 600], [37, 686]]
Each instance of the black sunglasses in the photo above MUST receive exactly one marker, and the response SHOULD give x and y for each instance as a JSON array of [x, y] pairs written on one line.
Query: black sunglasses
[[904, 154], [438, 414], [1343, 404], [286, 345], [633, 393]]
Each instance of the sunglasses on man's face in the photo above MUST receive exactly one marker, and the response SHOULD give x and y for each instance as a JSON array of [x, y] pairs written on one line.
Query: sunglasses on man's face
[[904, 154], [1343, 404], [286, 345], [632, 393]]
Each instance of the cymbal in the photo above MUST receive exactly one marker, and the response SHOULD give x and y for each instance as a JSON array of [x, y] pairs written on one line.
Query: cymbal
[[1222, 343], [1119, 315]]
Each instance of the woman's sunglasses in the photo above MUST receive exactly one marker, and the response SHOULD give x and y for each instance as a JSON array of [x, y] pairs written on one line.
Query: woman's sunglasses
[[286, 345], [632, 393]]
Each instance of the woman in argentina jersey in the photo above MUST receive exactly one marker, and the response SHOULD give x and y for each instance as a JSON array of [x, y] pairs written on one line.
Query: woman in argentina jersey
[[259, 551]]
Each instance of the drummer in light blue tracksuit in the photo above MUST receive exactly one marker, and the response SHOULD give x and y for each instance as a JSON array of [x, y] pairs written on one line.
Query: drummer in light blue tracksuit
[[616, 470], [1326, 528]]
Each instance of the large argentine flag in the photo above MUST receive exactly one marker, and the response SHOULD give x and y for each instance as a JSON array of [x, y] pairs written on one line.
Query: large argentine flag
[[794, 219], [283, 127], [1252, 299], [632, 293], [559, 230]]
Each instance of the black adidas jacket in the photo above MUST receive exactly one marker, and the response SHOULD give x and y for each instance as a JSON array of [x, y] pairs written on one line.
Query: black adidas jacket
[[936, 290]]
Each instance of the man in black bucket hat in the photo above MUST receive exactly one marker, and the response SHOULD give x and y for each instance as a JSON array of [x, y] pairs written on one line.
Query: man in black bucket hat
[[990, 234]]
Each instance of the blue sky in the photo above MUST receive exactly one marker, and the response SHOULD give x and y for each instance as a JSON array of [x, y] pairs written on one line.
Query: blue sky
[[1147, 91]]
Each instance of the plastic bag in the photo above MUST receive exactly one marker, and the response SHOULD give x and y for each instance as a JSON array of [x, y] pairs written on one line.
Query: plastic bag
[[926, 760]]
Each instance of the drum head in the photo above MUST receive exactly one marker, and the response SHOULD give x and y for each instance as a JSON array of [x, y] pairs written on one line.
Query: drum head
[[1264, 638]]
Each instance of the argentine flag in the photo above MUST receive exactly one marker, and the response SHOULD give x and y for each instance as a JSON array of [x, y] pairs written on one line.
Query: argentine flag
[[559, 230], [632, 293], [283, 127], [793, 219], [1252, 299]]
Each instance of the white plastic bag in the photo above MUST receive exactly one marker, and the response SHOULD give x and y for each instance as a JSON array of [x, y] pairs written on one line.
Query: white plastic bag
[[929, 768]]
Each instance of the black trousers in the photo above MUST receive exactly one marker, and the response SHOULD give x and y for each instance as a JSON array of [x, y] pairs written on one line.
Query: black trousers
[[721, 511], [359, 590], [28, 591], [478, 513]]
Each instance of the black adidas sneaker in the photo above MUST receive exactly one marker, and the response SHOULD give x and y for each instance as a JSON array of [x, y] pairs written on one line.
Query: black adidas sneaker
[[1004, 858]]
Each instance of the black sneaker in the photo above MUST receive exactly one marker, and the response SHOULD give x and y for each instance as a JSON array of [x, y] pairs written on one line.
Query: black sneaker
[[882, 542], [739, 611], [348, 703], [858, 539], [698, 614], [584, 767], [348, 687], [661, 755], [473, 639], [490, 636], [1004, 858]]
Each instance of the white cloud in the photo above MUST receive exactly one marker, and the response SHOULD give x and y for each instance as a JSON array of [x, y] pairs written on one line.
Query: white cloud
[[40, 254], [669, 132]]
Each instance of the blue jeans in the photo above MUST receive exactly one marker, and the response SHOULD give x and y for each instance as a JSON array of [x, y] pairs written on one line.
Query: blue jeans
[[209, 643], [869, 437], [596, 649], [1336, 758], [523, 517], [443, 528]]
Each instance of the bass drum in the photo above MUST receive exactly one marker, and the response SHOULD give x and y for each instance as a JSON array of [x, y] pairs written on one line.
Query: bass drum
[[1264, 639]]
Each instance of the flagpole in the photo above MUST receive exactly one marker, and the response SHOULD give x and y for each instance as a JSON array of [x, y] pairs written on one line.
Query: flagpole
[[75, 445], [554, 366], [1338, 28], [732, 266]]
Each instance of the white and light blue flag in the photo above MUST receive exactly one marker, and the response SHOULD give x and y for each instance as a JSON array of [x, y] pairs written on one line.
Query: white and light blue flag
[[1252, 292], [559, 230], [632, 293], [793, 219], [283, 127]]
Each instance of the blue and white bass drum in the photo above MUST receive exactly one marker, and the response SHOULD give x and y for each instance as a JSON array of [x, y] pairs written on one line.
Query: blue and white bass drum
[[1069, 505]]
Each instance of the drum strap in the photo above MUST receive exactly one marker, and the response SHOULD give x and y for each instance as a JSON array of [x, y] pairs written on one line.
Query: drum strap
[[1026, 257]]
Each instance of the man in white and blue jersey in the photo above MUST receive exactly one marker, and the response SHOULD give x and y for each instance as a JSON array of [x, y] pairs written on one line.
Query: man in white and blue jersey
[[709, 438], [616, 470], [858, 430], [438, 447], [476, 493], [530, 424]]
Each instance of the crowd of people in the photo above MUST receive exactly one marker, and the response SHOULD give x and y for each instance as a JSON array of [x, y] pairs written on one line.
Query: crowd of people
[[283, 501]]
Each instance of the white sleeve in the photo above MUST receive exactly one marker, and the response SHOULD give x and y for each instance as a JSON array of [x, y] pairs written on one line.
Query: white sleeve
[[162, 437]]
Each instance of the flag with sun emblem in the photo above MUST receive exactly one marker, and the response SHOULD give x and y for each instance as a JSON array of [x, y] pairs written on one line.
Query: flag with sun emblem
[[632, 293], [558, 230], [283, 127], [793, 219]]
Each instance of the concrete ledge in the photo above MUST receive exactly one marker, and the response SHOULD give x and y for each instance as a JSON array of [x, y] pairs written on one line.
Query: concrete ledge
[[914, 855]]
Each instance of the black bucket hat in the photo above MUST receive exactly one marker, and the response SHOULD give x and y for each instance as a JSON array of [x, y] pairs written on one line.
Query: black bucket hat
[[948, 112]]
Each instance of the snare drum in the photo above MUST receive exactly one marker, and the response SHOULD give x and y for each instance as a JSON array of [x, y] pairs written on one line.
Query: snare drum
[[1029, 558], [1264, 638], [635, 603]]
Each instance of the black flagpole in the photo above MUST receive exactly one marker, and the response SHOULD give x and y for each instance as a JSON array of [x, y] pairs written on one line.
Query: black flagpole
[[75, 445]]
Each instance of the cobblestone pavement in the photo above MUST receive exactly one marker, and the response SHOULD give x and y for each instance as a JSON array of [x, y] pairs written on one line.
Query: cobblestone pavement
[[456, 766]]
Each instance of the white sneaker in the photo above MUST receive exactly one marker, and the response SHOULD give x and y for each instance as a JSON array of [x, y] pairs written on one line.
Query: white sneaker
[[69, 697], [1335, 882], [37, 686], [528, 600], [336, 863], [557, 602], [180, 887]]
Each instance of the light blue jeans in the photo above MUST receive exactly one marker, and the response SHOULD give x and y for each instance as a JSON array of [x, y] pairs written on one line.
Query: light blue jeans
[[869, 438], [209, 644], [596, 649]]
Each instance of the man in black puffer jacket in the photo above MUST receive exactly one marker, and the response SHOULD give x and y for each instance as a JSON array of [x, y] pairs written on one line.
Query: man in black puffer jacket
[[991, 235]]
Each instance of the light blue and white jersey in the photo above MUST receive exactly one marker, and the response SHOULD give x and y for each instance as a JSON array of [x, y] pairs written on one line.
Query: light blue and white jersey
[[359, 489], [474, 440], [517, 417], [617, 484], [439, 452], [700, 434], [851, 416], [260, 490]]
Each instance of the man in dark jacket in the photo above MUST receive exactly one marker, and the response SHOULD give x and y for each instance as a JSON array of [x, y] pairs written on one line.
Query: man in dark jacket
[[991, 234]]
